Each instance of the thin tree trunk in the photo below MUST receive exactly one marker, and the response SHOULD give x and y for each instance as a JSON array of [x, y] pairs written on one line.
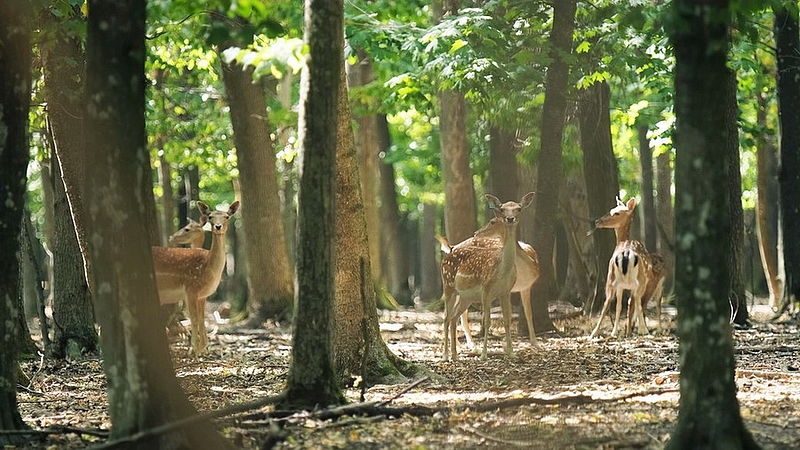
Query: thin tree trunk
[[648, 199], [549, 167], [167, 198], [503, 181], [767, 208], [740, 314], [666, 233], [788, 47], [430, 283], [599, 163]]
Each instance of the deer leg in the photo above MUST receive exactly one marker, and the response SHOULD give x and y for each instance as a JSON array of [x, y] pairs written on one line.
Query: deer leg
[[505, 306], [620, 296], [606, 305], [201, 325], [465, 326], [448, 312], [194, 317], [487, 321], [527, 306]]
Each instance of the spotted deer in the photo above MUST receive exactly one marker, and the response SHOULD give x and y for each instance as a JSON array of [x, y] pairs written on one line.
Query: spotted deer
[[526, 262], [192, 274], [192, 234], [631, 268], [481, 273]]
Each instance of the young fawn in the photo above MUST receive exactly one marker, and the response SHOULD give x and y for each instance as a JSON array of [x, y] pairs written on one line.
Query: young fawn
[[631, 268], [192, 274], [481, 274]]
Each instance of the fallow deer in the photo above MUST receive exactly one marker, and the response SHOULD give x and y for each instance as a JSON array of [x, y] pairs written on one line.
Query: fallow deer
[[527, 265], [192, 234], [631, 268], [192, 274], [482, 273]]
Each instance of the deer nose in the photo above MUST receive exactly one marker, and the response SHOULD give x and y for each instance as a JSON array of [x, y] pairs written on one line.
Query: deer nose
[[511, 219]]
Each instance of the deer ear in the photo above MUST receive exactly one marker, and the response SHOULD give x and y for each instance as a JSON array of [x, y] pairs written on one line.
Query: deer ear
[[202, 220], [494, 202], [202, 207], [527, 200], [233, 208], [632, 203]]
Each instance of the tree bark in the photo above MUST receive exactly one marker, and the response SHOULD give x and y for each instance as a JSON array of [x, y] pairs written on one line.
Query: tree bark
[[312, 379], [142, 389], [549, 167], [503, 181], [709, 416], [430, 276], [599, 163], [767, 208], [666, 233], [648, 199], [359, 349], [788, 47], [15, 95], [270, 288]]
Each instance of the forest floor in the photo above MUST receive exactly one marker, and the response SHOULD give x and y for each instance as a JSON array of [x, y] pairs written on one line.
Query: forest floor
[[569, 393]]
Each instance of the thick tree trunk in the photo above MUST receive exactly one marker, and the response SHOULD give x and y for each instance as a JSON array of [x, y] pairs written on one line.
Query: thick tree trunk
[[549, 167], [788, 47], [359, 349], [73, 312], [648, 199], [767, 208], [599, 163], [709, 416], [270, 288], [503, 181], [142, 389], [15, 95], [312, 380]]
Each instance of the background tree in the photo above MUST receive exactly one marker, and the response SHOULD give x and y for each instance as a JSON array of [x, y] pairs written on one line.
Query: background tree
[[788, 47], [312, 379], [549, 165], [15, 97], [709, 412], [143, 391]]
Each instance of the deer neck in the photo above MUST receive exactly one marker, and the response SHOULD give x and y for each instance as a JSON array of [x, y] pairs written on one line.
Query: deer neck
[[509, 248], [216, 255], [623, 232]]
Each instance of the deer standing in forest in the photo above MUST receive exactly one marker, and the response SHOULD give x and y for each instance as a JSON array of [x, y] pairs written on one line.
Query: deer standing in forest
[[192, 233], [192, 274], [481, 273], [631, 268], [527, 266]]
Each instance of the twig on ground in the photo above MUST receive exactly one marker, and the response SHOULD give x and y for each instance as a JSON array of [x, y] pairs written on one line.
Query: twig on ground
[[493, 438], [403, 391]]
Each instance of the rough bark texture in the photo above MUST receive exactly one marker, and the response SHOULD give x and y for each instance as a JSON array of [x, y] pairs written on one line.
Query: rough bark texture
[[168, 208], [549, 167], [359, 349], [73, 313], [430, 283], [15, 94], [503, 181], [709, 415], [312, 380], [142, 389], [788, 45], [599, 163], [648, 198], [767, 207], [270, 289]]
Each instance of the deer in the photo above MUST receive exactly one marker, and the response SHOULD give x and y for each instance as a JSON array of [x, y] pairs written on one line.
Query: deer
[[631, 268], [192, 234], [526, 262], [481, 273], [192, 274]]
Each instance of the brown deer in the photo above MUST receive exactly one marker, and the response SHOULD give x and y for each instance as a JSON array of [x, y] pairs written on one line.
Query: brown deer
[[481, 273], [631, 268], [192, 234], [526, 262], [192, 274]]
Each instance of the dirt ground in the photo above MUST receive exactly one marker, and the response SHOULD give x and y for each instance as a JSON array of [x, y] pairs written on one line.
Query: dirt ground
[[569, 393]]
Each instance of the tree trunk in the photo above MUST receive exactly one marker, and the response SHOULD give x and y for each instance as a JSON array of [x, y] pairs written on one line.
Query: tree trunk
[[270, 287], [738, 302], [142, 389], [359, 349], [430, 284], [73, 314], [767, 208], [599, 163], [396, 264], [15, 95], [503, 181], [168, 213], [788, 47], [666, 233], [549, 168], [312, 379], [648, 199], [709, 415]]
